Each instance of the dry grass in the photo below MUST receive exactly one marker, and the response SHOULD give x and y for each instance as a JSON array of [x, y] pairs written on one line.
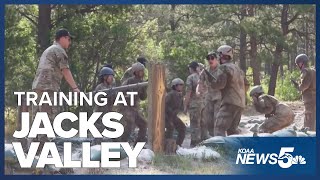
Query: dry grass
[[184, 165]]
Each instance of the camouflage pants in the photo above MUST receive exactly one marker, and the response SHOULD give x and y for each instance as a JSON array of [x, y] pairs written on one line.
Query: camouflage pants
[[228, 119], [131, 117], [310, 116], [52, 112], [210, 114], [203, 124], [275, 123], [195, 121], [174, 122]]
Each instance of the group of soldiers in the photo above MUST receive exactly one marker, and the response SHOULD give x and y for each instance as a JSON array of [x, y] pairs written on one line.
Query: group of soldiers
[[214, 96], [215, 99]]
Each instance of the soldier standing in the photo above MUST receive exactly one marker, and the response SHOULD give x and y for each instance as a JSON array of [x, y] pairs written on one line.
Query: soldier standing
[[129, 73], [278, 115], [105, 82], [307, 87], [212, 96], [203, 123], [174, 104], [53, 66], [131, 114], [193, 103], [231, 83]]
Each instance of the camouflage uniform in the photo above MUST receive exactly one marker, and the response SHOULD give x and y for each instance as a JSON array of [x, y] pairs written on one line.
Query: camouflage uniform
[[132, 115], [279, 115], [203, 124], [308, 89], [231, 84], [194, 108], [127, 74], [174, 104], [104, 109], [212, 102], [48, 78]]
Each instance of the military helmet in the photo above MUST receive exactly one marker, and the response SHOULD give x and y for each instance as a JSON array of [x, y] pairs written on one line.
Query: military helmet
[[176, 81], [142, 60], [137, 67], [106, 71], [301, 58], [256, 90], [226, 50], [193, 65]]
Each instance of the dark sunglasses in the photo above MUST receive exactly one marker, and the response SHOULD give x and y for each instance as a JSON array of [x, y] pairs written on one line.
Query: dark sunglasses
[[210, 58]]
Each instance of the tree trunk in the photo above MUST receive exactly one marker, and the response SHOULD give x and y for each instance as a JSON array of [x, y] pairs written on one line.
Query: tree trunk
[[255, 65], [289, 62], [243, 41], [274, 70], [172, 18], [279, 48], [44, 23], [281, 70]]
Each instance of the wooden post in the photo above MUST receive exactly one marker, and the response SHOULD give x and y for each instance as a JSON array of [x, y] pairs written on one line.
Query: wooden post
[[156, 105]]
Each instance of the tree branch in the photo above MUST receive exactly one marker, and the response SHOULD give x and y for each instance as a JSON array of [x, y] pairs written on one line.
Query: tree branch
[[293, 18], [87, 9], [28, 17]]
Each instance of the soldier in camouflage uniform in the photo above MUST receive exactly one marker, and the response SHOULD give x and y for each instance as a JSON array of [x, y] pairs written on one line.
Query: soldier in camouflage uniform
[[174, 104], [203, 123], [231, 83], [193, 103], [109, 65], [212, 96], [307, 87], [131, 114], [53, 66], [105, 82], [129, 73], [278, 115]]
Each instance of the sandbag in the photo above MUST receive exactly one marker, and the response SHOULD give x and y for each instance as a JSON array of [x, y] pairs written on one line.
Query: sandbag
[[146, 155], [201, 152], [285, 133], [225, 142], [96, 153]]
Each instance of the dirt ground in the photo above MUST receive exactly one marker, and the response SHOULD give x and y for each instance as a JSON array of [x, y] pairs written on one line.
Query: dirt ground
[[182, 165]]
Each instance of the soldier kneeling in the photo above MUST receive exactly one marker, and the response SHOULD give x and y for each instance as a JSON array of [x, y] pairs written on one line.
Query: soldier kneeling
[[278, 115]]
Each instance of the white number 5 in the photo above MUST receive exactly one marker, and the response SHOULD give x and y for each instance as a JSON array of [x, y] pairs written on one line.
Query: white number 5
[[284, 154]]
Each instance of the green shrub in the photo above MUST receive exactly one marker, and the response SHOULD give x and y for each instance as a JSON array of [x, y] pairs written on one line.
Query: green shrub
[[285, 90]]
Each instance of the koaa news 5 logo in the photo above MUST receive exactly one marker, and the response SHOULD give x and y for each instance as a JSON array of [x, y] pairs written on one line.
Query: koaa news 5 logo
[[284, 159]]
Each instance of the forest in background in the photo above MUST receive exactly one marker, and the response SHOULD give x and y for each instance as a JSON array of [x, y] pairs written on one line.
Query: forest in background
[[265, 38]]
